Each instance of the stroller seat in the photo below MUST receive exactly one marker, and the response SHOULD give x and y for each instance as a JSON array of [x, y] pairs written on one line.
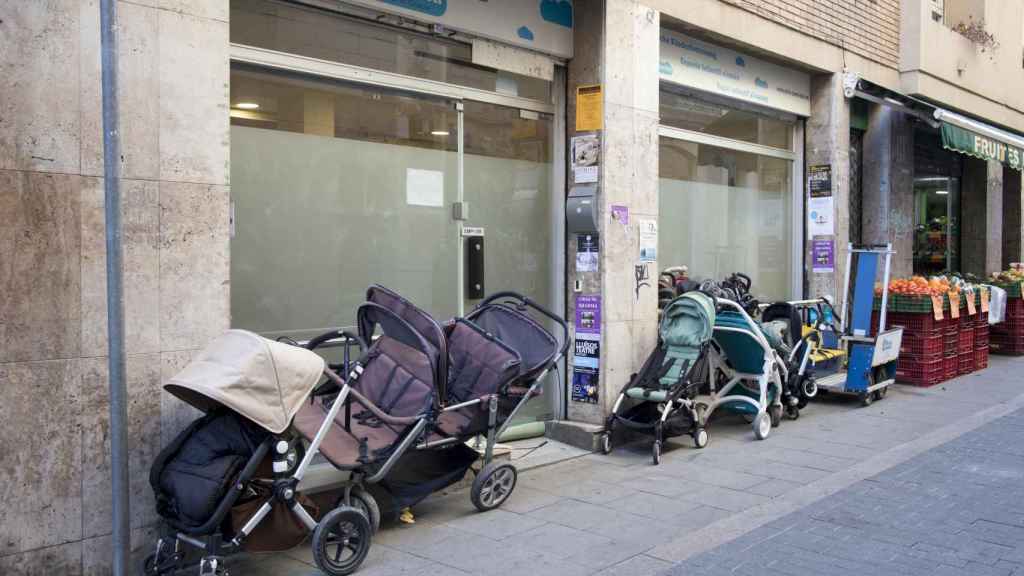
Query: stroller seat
[[391, 394]]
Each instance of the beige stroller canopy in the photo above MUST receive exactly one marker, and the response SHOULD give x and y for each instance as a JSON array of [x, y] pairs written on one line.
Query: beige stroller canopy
[[263, 380]]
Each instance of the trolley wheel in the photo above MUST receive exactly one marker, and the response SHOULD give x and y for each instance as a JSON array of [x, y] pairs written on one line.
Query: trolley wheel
[[341, 541], [493, 485], [809, 388], [749, 418], [656, 452], [792, 412], [762, 425], [606, 443], [883, 392], [775, 412], [866, 398], [364, 502], [700, 438]]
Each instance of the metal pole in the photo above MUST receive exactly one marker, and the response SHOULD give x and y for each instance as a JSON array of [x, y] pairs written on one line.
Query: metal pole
[[115, 301]]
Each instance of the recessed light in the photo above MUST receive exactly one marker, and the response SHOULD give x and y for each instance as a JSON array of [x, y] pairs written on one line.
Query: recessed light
[[439, 132], [247, 105]]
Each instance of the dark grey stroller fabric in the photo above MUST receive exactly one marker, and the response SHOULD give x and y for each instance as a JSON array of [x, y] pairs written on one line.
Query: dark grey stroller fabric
[[193, 473], [480, 366], [419, 320], [535, 345]]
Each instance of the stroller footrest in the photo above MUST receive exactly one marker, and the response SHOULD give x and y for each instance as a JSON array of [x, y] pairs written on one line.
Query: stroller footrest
[[638, 393]]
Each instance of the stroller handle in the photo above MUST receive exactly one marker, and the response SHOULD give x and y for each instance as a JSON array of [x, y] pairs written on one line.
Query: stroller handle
[[318, 341], [525, 301]]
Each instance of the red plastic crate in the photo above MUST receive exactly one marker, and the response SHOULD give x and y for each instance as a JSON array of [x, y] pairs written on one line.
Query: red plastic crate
[[911, 371], [1015, 309], [917, 324], [1005, 344], [950, 367], [926, 348], [965, 363], [949, 344], [965, 341], [981, 333], [981, 358]]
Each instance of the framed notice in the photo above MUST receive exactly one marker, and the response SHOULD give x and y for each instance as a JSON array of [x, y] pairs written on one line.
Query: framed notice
[[589, 108]]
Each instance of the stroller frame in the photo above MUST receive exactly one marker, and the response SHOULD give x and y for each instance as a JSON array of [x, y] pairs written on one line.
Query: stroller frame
[[773, 374]]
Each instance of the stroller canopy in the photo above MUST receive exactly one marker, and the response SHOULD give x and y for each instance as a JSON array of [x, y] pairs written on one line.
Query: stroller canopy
[[688, 320], [263, 380]]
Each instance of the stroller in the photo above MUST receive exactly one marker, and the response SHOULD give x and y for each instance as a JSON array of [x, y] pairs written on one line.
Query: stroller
[[265, 400], [668, 382]]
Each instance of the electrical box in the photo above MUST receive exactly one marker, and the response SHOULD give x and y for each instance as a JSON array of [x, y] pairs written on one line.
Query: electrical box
[[581, 210]]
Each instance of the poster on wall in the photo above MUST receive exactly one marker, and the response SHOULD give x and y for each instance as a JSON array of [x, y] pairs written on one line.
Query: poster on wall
[[819, 180], [587, 349], [586, 158], [823, 255], [589, 108], [587, 253], [820, 216], [648, 239]]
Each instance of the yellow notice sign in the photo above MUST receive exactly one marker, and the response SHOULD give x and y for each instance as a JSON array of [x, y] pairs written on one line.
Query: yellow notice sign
[[589, 108]]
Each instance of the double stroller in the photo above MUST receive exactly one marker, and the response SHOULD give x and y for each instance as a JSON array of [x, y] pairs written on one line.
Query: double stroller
[[398, 419]]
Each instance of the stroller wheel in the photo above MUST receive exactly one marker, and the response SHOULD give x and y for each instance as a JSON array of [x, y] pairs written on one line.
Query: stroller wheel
[[793, 412], [775, 412], [364, 502], [809, 388], [493, 485], [700, 438], [656, 452], [762, 425], [341, 541], [867, 398], [606, 443]]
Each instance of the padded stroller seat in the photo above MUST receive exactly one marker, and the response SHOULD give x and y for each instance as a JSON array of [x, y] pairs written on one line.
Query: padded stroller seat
[[396, 380]]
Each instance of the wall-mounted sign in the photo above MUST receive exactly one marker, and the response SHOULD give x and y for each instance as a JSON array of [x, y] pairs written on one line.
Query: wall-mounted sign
[[589, 108], [821, 216], [698, 64], [819, 180], [586, 157], [648, 228], [543, 25], [983, 147], [823, 255], [586, 360], [587, 256]]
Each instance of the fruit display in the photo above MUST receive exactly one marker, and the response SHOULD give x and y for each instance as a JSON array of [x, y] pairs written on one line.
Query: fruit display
[[917, 286], [1011, 276]]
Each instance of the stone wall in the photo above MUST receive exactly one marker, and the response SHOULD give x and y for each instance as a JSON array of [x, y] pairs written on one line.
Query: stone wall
[[54, 469], [870, 28]]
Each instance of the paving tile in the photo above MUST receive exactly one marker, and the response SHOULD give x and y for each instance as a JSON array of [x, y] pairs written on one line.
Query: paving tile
[[639, 565], [525, 499], [670, 510], [734, 500], [559, 541], [496, 524]]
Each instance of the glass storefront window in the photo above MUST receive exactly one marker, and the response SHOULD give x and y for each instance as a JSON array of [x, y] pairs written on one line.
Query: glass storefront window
[[706, 116], [723, 211], [327, 35]]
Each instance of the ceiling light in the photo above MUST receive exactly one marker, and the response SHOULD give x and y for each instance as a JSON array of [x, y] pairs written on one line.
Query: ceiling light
[[247, 105], [942, 192], [438, 132]]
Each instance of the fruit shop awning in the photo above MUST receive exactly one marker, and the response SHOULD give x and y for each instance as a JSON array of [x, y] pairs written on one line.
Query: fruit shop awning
[[980, 140]]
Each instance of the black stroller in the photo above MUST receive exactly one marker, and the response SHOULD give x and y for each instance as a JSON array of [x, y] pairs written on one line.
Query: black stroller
[[265, 401]]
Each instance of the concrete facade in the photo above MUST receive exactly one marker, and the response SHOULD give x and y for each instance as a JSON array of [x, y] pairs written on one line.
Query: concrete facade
[[54, 472]]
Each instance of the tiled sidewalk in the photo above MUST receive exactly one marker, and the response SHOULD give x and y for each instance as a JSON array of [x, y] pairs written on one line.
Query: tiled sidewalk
[[618, 514]]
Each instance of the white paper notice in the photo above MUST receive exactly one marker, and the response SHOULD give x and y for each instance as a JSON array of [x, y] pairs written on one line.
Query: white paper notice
[[648, 239], [424, 187], [820, 216]]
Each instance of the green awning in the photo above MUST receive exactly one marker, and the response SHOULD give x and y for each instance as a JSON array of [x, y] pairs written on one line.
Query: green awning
[[980, 146]]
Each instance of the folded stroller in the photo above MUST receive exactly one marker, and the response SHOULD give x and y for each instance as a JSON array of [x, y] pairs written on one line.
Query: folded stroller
[[668, 382]]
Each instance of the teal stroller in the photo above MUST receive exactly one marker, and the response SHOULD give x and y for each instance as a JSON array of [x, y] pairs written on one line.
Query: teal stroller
[[746, 370], [666, 386]]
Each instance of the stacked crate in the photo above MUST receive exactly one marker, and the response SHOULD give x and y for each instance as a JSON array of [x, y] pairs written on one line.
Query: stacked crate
[[1008, 336], [965, 337], [922, 360], [981, 337]]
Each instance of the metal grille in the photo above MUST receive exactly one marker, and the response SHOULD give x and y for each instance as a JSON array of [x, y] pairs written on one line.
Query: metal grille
[[856, 196]]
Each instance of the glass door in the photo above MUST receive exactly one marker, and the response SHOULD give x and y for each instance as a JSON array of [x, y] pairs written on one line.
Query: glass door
[[336, 186], [936, 225], [507, 175]]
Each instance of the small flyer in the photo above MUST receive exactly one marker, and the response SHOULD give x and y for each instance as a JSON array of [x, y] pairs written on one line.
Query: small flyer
[[823, 255], [586, 158], [820, 219], [584, 385], [587, 253], [588, 314], [819, 180], [648, 239]]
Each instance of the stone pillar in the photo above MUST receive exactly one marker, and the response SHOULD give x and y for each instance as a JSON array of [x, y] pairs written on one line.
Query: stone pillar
[[981, 210], [616, 45], [888, 186], [828, 142], [1013, 218]]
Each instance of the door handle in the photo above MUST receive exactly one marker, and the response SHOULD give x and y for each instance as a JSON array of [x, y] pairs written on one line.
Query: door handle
[[474, 267]]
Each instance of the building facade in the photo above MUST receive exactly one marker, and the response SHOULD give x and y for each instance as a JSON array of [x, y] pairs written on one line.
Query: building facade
[[280, 156]]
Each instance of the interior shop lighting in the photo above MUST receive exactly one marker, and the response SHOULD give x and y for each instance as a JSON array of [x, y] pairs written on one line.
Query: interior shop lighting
[[942, 192], [247, 106], [438, 132]]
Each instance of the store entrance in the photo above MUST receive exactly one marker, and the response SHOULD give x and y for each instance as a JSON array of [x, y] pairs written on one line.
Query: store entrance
[[937, 186]]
